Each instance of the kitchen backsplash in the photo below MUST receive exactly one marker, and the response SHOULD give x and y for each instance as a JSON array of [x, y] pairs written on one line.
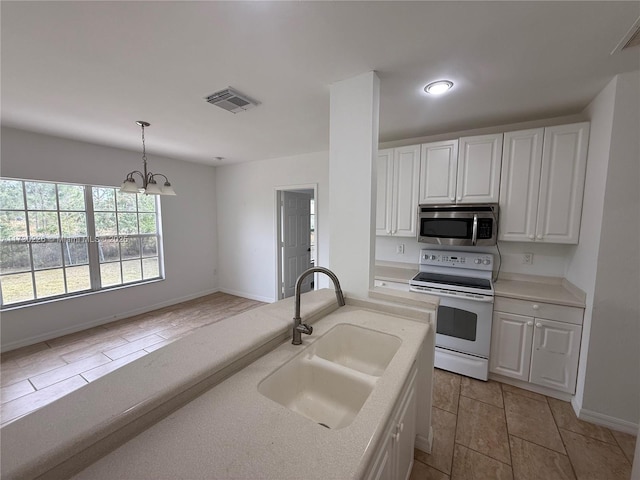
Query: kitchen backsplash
[[548, 260]]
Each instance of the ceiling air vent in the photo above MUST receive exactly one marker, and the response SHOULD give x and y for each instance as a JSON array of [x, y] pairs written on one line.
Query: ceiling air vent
[[631, 39], [231, 100]]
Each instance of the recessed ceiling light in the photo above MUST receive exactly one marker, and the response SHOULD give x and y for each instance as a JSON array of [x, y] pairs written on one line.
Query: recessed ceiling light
[[439, 87]]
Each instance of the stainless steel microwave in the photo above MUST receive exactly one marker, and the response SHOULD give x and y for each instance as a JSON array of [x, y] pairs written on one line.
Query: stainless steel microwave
[[463, 225]]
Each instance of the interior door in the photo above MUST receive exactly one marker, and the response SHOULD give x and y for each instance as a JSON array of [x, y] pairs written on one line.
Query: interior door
[[296, 240]]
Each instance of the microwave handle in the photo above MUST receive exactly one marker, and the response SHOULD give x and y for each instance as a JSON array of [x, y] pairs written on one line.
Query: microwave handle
[[474, 237]]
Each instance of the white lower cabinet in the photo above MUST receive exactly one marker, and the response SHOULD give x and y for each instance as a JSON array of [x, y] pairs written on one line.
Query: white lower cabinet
[[393, 459], [536, 342], [392, 285]]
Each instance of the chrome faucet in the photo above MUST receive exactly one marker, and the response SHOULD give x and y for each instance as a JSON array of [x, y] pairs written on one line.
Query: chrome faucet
[[298, 327]]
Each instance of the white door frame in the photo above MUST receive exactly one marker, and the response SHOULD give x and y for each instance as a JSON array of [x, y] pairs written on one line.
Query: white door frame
[[278, 230]]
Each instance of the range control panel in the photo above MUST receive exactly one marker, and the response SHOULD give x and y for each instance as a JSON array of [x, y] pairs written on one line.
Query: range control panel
[[442, 258]]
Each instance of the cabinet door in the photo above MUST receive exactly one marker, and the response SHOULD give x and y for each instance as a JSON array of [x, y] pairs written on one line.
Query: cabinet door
[[438, 167], [406, 435], [554, 359], [384, 192], [520, 185], [479, 161], [511, 337], [405, 194], [383, 465], [564, 162]]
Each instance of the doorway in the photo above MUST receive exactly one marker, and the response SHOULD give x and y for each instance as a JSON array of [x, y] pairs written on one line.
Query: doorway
[[296, 234]]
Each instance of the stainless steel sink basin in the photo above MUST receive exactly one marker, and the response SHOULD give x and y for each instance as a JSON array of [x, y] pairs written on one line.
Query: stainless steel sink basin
[[329, 381]]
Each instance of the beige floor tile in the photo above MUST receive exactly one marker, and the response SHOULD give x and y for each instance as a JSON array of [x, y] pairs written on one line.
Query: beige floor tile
[[532, 420], [595, 460], [69, 370], [488, 392], [566, 418], [118, 352], [482, 428], [627, 444], [444, 432], [29, 403], [533, 462], [156, 346], [102, 370], [470, 465], [523, 392], [23, 352], [90, 349], [74, 337], [16, 390], [420, 471], [446, 390], [13, 373]]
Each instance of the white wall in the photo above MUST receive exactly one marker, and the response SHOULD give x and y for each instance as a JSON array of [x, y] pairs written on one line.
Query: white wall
[[246, 219], [548, 260], [582, 267], [611, 387], [189, 231]]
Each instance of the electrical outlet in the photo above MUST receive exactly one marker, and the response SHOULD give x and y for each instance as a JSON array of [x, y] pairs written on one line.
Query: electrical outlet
[[400, 248], [527, 258]]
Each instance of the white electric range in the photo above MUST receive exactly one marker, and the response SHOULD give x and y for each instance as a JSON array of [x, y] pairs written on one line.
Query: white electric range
[[463, 282]]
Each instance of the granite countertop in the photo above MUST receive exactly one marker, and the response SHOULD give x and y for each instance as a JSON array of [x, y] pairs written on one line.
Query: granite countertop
[[554, 290], [395, 272], [244, 435]]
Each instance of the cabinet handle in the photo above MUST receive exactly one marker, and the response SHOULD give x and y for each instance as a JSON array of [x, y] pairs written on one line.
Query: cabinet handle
[[453, 199], [535, 306], [530, 323], [382, 284], [459, 198], [532, 237], [539, 237], [394, 437], [538, 325], [401, 426]]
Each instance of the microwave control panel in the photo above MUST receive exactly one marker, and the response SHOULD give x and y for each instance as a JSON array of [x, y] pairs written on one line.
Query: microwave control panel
[[442, 258]]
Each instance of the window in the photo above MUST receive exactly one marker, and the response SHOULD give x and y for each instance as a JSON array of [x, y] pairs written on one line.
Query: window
[[60, 239]]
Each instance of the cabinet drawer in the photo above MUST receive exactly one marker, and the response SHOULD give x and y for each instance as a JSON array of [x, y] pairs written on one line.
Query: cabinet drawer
[[550, 311]]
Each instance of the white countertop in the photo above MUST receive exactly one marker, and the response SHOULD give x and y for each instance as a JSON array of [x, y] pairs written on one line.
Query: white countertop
[[233, 431], [231, 422], [395, 272], [554, 290], [38, 442]]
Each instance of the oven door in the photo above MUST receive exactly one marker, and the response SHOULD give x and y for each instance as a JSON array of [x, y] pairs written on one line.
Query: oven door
[[464, 325]]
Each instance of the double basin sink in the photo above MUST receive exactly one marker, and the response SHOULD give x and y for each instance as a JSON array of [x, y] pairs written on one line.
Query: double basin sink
[[329, 381]]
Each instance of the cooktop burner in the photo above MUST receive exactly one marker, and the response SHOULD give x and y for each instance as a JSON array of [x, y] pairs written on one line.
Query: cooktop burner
[[452, 280]]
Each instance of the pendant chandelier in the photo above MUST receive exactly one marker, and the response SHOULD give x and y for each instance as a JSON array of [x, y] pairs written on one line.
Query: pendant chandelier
[[149, 184]]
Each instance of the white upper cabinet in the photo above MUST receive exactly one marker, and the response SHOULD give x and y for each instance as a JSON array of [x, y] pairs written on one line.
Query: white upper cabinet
[[384, 192], [479, 169], [397, 200], [438, 172], [543, 172], [520, 184], [461, 171], [564, 166]]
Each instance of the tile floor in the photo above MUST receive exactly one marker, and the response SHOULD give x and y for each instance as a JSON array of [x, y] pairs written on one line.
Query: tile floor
[[33, 376], [493, 431]]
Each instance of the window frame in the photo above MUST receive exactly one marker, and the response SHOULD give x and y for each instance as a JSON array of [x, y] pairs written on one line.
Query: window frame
[[90, 239]]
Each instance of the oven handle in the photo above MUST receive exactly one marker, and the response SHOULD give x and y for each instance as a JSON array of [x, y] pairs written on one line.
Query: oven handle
[[483, 298], [474, 238]]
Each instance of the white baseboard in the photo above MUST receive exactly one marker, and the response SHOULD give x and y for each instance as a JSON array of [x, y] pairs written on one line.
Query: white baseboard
[[423, 443], [5, 347], [247, 295], [604, 420]]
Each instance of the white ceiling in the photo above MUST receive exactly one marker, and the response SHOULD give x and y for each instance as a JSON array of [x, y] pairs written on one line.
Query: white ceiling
[[88, 70]]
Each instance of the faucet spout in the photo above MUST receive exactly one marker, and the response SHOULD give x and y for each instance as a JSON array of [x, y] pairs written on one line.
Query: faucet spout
[[298, 327]]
